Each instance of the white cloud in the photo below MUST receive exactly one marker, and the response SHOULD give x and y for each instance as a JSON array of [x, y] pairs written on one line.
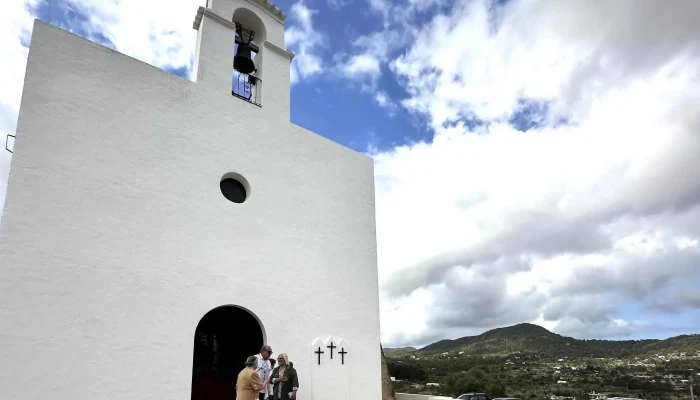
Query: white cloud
[[158, 32], [499, 226], [373, 52], [551, 59], [301, 38], [362, 64], [337, 5], [384, 101]]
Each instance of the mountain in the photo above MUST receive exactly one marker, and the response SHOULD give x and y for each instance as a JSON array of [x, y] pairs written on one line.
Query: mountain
[[534, 339], [399, 351], [516, 337]]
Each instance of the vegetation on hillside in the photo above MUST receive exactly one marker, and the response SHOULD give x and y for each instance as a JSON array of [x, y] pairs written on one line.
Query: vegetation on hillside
[[529, 362], [533, 339]]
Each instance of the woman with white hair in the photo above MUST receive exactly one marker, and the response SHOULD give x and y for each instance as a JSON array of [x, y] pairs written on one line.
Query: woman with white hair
[[249, 384], [285, 382]]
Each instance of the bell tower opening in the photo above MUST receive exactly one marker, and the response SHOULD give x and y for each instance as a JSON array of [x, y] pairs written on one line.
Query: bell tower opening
[[245, 73], [224, 338], [240, 50], [247, 61]]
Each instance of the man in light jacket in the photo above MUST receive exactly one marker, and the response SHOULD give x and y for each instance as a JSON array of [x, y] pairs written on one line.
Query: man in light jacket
[[264, 369]]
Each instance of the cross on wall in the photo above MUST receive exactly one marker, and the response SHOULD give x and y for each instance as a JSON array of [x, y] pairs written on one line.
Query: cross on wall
[[332, 346], [342, 353], [319, 352]]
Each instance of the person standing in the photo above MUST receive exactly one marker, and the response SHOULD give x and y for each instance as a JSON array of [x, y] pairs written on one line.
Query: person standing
[[249, 383], [269, 385], [264, 369], [284, 379]]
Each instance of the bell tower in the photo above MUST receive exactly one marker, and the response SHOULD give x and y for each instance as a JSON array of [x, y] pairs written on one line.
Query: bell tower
[[240, 52]]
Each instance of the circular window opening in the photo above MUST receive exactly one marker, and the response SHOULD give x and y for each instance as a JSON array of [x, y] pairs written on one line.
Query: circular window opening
[[234, 187]]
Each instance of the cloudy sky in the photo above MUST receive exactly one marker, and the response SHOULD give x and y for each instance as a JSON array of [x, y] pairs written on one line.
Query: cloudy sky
[[536, 161]]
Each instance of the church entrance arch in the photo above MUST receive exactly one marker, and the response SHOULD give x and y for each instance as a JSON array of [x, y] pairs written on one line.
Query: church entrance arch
[[224, 338]]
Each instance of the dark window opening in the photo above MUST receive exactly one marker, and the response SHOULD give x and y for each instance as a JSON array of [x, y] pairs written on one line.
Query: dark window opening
[[224, 338], [234, 190]]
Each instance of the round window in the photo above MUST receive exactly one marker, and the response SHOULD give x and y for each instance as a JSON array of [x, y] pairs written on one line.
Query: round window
[[234, 187]]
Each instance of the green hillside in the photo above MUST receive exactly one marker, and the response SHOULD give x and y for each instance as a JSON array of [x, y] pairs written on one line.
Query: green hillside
[[534, 339], [532, 363], [400, 351]]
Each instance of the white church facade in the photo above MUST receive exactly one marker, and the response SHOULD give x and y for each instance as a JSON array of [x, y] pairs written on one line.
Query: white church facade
[[157, 230]]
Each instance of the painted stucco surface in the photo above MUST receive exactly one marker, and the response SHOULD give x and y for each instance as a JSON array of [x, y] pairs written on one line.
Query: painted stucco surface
[[116, 239]]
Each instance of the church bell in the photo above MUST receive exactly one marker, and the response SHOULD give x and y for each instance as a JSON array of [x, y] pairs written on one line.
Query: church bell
[[243, 60]]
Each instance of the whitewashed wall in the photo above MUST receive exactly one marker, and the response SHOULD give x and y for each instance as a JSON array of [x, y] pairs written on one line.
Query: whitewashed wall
[[116, 239]]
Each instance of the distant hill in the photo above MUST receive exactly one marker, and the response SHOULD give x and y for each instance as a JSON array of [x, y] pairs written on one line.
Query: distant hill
[[534, 339], [400, 351]]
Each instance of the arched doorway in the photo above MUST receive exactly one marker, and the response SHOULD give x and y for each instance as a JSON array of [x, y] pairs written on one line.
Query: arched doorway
[[224, 338]]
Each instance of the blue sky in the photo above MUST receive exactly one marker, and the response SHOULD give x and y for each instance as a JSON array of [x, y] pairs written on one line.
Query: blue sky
[[334, 108], [535, 161]]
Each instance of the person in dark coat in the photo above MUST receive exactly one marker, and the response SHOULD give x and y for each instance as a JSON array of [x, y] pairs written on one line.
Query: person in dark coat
[[269, 385], [284, 379]]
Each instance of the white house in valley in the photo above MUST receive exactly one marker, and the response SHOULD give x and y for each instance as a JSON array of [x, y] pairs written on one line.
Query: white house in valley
[[147, 217]]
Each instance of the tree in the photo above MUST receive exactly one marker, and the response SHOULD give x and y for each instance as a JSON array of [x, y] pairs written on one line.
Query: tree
[[474, 380], [406, 371]]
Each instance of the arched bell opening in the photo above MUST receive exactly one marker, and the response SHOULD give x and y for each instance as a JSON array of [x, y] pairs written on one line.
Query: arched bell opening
[[248, 55], [224, 338]]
